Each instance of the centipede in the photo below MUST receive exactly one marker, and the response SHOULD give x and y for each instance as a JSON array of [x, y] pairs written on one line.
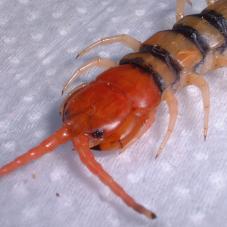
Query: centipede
[[119, 106]]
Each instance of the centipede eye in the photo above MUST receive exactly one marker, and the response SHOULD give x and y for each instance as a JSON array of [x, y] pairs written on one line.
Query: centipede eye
[[98, 134]]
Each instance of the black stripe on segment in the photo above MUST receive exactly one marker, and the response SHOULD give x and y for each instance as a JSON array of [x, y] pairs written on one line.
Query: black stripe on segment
[[193, 35], [217, 20], [139, 62], [164, 56]]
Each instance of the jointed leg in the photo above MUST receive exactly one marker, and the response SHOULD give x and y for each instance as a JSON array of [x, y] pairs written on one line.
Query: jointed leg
[[209, 2], [81, 143], [199, 82], [97, 62], [171, 101], [180, 6], [124, 39], [59, 137], [220, 61]]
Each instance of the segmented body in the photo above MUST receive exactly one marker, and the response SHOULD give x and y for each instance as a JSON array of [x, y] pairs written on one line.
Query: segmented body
[[191, 46], [115, 109]]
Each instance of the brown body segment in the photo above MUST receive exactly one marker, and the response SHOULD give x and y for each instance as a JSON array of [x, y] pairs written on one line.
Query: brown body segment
[[191, 40], [220, 7], [149, 62], [209, 33], [179, 47]]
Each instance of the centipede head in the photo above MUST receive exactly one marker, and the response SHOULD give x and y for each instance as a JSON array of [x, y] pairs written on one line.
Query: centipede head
[[117, 98]]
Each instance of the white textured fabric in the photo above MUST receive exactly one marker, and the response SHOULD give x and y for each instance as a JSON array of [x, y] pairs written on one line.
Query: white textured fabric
[[186, 186]]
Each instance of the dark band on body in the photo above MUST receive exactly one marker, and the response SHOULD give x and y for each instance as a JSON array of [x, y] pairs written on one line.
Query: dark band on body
[[216, 19], [139, 62], [164, 56], [193, 35]]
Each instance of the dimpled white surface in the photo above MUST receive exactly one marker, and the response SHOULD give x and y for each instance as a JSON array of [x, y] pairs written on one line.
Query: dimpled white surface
[[186, 186]]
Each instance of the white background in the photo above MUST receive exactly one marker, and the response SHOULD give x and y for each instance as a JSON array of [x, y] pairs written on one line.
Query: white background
[[39, 39]]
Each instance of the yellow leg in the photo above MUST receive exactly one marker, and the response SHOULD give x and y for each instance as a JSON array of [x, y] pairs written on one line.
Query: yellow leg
[[200, 82], [124, 39], [220, 61], [180, 5], [210, 2], [171, 101], [97, 62]]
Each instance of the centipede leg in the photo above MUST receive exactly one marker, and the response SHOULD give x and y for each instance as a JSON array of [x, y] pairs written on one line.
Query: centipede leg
[[127, 40], [200, 82], [171, 101], [220, 61], [180, 6], [210, 2], [97, 62], [61, 136], [81, 144]]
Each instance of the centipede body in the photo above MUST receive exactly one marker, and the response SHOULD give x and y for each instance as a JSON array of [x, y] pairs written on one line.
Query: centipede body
[[117, 107]]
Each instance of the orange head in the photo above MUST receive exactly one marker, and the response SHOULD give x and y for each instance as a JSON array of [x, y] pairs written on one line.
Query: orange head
[[102, 106]]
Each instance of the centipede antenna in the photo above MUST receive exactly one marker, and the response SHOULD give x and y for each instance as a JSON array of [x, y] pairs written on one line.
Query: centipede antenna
[[81, 144], [171, 101], [200, 82], [61, 136]]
